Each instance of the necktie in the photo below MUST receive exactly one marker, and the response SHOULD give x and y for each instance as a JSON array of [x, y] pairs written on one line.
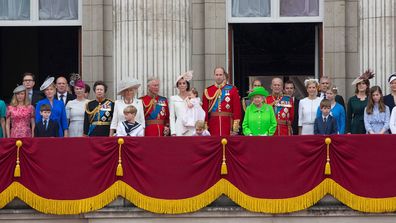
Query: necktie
[[325, 123], [62, 96], [45, 124]]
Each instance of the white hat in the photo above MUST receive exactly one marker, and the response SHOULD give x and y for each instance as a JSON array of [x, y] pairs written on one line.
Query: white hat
[[19, 88], [187, 76], [47, 83], [128, 83], [392, 77]]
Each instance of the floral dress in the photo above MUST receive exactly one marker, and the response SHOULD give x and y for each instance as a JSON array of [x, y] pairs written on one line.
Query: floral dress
[[20, 120]]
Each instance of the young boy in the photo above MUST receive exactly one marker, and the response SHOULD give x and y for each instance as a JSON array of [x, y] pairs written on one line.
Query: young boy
[[325, 124], [46, 127], [200, 129], [130, 127]]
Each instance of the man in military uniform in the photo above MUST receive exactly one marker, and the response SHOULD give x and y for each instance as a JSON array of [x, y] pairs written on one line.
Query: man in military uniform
[[221, 103], [98, 112], [156, 110], [283, 108]]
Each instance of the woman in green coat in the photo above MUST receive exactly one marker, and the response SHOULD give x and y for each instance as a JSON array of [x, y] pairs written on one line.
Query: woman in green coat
[[259, 117]]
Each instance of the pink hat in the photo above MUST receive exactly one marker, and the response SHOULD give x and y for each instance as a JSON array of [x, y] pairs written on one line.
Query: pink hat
[[79, 83]]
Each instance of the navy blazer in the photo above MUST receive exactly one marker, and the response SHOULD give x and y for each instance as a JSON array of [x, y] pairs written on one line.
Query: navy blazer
[[51, 131], [389, 101], [36, 96], [69, 97], [328, 128]]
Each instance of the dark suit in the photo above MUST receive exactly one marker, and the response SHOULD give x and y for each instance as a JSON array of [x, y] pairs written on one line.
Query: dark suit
[[295, 120], [328, 128], [51, 131], [389, 101], [36, 96], [69, 97]]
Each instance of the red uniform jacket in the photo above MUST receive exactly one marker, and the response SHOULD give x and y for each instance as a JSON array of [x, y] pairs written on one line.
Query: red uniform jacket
[[156, 113], [222, 106], [284, 113]]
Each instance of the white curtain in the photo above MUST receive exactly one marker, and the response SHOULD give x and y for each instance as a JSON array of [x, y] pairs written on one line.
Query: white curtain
[[58, 9], [14, 9], [251, 8], [299, 8]]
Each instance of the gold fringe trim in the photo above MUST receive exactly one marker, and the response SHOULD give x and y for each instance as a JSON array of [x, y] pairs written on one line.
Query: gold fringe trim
[[179, 206], [276, 206], [363, 204], [50, 206]]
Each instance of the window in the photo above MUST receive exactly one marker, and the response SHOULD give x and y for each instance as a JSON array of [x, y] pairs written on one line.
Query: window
[[14, 9], [40, 12], [273, 11], [251, 8]]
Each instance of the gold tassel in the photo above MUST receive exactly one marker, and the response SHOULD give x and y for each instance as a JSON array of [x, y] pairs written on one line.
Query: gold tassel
[[327, 166], [224, 170], [120, 171], [17, 171]]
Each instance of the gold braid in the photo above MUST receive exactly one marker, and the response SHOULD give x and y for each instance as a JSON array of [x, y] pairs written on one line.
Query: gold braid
[[149, 106], [96, 110], [216, 95]]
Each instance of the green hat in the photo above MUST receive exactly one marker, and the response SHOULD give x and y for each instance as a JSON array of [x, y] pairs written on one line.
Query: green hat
[[258, 91]]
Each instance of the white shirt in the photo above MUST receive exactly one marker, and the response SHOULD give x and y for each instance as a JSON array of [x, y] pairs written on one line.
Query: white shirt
[[64, 96], [307, 113], [118, 114]]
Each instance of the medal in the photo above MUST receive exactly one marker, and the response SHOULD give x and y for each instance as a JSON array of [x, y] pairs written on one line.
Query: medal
[[227, 106], [227, 99]]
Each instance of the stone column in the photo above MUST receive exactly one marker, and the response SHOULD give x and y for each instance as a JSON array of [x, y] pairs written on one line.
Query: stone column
[[152, 38], [378, 39]]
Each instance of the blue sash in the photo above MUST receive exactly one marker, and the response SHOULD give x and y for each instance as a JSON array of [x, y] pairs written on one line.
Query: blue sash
[[226, 89], [278, 108], [157, 109]]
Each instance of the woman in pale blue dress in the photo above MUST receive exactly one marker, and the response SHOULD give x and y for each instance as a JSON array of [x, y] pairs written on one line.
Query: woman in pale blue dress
[[376, 114]]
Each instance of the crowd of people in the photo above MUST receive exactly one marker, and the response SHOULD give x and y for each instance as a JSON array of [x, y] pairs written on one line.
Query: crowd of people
[[62, 109]]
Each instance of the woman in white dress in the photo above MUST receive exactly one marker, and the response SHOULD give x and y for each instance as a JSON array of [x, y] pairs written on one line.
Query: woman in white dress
[[75, 110], [178, 105], [127, 89], [308, 108]]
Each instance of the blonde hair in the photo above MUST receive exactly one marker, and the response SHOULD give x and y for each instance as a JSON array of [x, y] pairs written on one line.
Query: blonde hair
[[333, 89], [130, 109], [311, 81], [200, 124], [14, 101]]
